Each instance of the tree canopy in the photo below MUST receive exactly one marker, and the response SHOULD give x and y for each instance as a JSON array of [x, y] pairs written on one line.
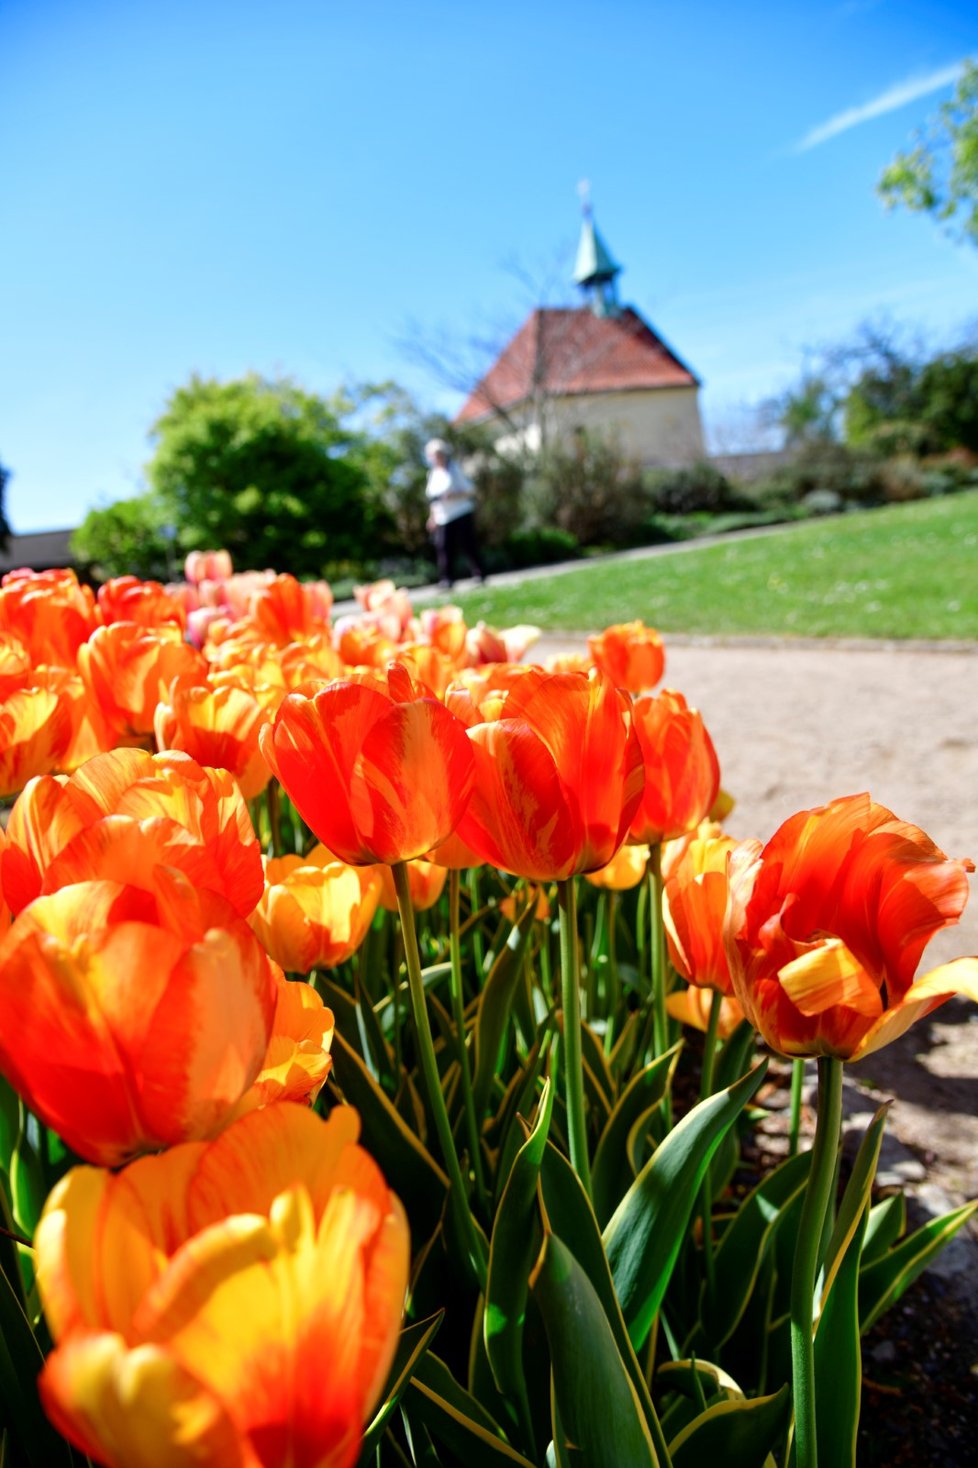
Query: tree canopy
[[265, 469], [938, 175]]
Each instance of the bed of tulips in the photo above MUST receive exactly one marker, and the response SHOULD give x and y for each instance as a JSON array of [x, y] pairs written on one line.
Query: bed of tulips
[[382, 1023]]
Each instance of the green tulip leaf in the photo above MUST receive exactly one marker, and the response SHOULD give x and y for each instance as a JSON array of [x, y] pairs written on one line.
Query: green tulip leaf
[[21, 1360], [742, 1248], [738, 1434], [887, 1222], [882, 1283], [407, 1165], [413, 1342], [838, 1362], [642, 1095], [27, 1185], [646, 1231], [515, 1244], [855, 1202], [456, 1419], [373, 1047], [567, 1212], [600, 1421], [519, 1101], [495, 1004]]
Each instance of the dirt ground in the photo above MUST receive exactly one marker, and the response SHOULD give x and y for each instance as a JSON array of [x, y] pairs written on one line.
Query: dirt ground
[[796, 724]]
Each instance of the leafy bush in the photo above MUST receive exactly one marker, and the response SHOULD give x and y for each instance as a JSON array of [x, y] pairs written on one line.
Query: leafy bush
[[588, 489], [853, 475], [544, 546], [130, 537], [693, 488]]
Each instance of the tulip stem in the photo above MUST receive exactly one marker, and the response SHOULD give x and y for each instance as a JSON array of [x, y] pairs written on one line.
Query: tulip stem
[[429, 1069], [570, 995], [458, 1014], [659, 971], [817, 1199], [613, 989], [275, 815], [797, 1085], [706, 1089]]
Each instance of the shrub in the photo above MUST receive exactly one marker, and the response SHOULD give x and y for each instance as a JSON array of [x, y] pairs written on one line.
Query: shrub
[[692, 489]]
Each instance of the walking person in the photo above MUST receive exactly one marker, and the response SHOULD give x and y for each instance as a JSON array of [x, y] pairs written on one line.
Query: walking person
[[452, 517]]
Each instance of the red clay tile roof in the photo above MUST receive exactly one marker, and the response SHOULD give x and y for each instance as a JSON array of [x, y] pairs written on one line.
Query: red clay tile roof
[[566, 351]]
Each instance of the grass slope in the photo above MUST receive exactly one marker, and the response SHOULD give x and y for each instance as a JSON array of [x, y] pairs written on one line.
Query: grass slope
[[901, 572]]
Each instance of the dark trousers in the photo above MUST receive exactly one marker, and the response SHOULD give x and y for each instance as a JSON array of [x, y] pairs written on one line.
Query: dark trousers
[[457, 538]]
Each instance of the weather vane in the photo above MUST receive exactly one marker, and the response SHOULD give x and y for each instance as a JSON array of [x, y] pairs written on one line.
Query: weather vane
[[584, 194]]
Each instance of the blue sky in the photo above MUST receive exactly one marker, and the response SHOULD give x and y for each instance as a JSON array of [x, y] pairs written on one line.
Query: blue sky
[[219, 187]]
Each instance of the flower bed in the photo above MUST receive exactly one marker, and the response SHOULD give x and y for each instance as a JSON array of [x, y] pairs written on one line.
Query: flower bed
[[382, 1020]]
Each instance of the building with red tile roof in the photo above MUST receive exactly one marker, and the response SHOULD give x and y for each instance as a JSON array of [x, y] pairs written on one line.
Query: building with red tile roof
[[598, 367]]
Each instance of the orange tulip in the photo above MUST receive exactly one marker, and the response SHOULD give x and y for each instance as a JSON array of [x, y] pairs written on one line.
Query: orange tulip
[[624, 871], [297, 1060], [827, 924], [216, 726], [378, 776], [694, 905], [682, 774], [122, 816], [691, 1006], [127, 599], [90, 732], [362, 645], [427, 665], [558, 775], [4, 909], [477, 695], [315, 911], [129, 1024], [445, 629], [129, 669], [35, 732], [631, 654], [286, 610], [15, 664], [252, 1317], [50, 612], [425, 879]]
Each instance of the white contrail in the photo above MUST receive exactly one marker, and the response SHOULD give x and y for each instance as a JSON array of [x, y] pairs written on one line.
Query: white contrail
[[888, 101]]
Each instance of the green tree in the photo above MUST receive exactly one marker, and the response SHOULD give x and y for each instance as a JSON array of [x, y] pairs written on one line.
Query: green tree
[[267, 471], [938, 175], [130, 537]]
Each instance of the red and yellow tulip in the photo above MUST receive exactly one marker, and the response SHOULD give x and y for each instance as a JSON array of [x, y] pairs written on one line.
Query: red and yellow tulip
[[315, 911], [682, 773], [128, 1021], [558, 776], [378, 771], [254, 1319], [122, 816], [631, 654], [828, 923]]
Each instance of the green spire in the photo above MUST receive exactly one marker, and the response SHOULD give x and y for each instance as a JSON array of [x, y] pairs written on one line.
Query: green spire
[[594, 263], [595, 270]]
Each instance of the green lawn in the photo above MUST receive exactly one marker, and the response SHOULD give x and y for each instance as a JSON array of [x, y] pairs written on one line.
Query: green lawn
[[905, 571]]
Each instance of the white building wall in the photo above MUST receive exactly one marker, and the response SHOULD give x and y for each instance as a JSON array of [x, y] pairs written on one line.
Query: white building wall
[[657, 426]]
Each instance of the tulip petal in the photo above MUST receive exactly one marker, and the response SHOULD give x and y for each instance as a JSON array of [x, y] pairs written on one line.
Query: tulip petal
[[519, 816], [137, 1408], [927, 993], [829, 975]]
